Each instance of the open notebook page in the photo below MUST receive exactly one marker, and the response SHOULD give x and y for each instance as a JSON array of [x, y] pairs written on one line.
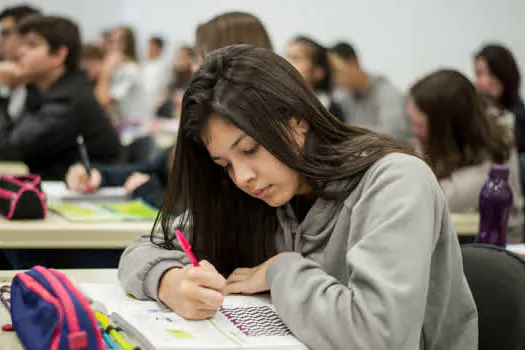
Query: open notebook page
[[243, 322]]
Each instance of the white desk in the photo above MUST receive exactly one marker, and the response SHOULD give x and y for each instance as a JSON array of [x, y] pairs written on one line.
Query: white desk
[[466, 224], [56, 232], [13, 168], [9, 340]]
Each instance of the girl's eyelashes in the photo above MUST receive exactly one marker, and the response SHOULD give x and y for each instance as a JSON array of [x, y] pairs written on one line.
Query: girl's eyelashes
[[252, 150], [248, 152]]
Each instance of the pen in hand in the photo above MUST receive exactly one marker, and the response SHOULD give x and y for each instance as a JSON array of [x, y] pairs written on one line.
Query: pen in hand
[[186, 247], [84, 158]]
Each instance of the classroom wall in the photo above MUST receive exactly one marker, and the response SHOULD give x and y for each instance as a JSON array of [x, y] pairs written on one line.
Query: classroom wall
[[92, 15], [401, 39]]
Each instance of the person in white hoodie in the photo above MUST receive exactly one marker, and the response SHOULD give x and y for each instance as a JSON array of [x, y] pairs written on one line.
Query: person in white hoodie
[[348, 229], [461, 141]]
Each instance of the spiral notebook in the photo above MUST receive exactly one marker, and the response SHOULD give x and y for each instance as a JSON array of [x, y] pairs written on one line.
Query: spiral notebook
[[242, 322]]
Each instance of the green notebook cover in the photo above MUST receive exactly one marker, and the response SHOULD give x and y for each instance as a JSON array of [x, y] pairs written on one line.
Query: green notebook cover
[[135, 210]]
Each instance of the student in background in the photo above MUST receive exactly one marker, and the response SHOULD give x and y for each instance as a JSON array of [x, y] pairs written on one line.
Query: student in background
[[12, 86], [45, 135], [182, 71], [60, 106], [154, 71], [348, 231], [311, 60], [119, 88], [171, 106], [92, 61], [497, 75], [461, 142], [367, 100], [105, 39], [183, 68], [148, 180]]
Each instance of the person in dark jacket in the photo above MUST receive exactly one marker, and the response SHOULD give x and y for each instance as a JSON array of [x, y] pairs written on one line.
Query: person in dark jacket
[[60, 104], [311, 60], [146, 180]]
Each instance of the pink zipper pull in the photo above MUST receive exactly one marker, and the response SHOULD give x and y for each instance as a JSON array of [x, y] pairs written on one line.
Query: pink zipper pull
[[77, 340]]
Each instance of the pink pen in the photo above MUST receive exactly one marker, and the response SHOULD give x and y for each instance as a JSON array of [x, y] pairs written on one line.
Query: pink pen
[[186, 247]]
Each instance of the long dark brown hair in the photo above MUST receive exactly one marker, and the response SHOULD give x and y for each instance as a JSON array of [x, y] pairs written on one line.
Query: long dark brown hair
[[258, 92], [459, 131]]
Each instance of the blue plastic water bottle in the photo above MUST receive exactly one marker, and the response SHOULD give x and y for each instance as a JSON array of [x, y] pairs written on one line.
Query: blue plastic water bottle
[[495, 203]]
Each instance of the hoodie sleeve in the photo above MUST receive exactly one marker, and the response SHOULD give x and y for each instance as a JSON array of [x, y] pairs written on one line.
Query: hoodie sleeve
[[143, 264], [392, 235]]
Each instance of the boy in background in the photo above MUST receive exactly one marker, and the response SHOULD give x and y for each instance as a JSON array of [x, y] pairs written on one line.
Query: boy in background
[[367, 100], [60, 104]]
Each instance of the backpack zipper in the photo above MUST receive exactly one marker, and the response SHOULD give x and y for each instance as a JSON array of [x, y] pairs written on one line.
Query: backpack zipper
[[83, 301]]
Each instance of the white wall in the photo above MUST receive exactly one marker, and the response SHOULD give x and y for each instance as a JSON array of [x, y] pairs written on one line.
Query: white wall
[[401, 39], [92, 15]]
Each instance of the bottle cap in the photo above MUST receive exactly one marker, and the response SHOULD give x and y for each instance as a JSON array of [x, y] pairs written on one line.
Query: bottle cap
[[498, 171]]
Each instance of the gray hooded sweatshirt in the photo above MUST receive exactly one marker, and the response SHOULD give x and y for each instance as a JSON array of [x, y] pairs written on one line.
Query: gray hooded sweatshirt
[[380, 270]]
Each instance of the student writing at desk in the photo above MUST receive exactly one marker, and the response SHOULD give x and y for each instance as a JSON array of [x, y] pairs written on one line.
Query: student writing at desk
[[60, 104], [348, 230], [146, 180]]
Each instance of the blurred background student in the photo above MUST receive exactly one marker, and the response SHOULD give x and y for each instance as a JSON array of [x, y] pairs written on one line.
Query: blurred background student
[[148, 180], [12, 87], [181, 75], [119, 88], [461, 142], [155, 73], [62, 106], [92, 61], [498, 75], [371, 101], [183, 67], [311, 60], [59, 105]]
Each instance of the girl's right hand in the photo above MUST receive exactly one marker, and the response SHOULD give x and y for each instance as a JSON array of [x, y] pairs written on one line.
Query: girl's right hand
[[194, 293], [77, 178]]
